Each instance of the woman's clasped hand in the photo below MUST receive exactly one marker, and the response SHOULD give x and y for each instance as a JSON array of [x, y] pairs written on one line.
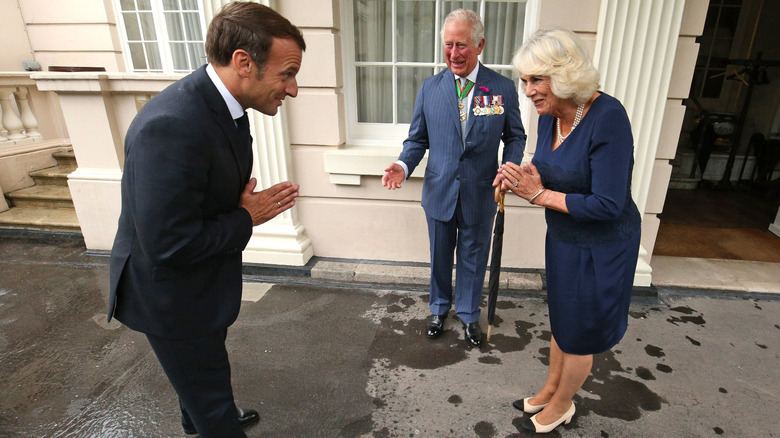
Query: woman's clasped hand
[[522, 180]]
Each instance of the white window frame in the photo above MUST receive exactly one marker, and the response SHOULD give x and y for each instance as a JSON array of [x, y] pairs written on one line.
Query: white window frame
[[163, 41], [383, 134]]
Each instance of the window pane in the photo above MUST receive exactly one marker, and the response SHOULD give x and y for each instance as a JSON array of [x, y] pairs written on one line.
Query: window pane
[[144, 5], [410, 80], [179, 56], [197, 55], [189, 5], [171, 5], [132, 27], [153, 55], [415, 30], [127, 5], [373, 30], [412, 38], [449, 6], [175, 32], [503, 31], [192, 26], [375, 94], [137, 56], [511, 74], [147, 26]]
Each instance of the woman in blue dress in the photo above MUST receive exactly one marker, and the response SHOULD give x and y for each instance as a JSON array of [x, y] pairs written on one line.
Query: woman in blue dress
[[581, 175]]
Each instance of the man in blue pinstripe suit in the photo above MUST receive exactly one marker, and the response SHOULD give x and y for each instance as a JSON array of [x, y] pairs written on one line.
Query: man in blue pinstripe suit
[[460, 117]]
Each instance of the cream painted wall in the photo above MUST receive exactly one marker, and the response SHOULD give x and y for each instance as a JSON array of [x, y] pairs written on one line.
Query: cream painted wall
[[367, 221], [73, 33], [361, 219], [15, 47]]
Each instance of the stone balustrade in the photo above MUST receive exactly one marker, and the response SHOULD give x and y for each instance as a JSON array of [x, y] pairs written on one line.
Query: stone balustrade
[[18, 122]]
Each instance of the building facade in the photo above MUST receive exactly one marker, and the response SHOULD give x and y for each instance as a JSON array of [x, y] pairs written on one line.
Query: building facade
[[361, 70]]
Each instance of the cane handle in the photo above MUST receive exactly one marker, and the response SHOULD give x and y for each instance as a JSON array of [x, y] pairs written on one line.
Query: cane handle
[[499, 197]]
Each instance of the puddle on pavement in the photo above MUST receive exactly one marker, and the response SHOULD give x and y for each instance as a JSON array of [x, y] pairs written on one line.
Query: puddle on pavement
[[394, 339], [484, 429], [644, 373], [693, 341], [687, 311], [619, 396], [654, 351]]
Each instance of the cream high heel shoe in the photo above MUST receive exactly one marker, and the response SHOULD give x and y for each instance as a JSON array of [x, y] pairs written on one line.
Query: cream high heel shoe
[[527, 407], [533, 426]]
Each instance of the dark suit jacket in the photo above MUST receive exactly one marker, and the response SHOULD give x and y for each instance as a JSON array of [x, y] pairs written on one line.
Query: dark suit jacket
[[176, 260], [454, 172]]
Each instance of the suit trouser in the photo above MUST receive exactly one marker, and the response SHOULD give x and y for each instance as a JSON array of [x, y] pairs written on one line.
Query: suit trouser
[[199, 371], [473, 248]]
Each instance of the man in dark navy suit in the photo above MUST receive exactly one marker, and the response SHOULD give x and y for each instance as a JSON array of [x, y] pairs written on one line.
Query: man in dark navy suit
[[460, 117], [189, 205]]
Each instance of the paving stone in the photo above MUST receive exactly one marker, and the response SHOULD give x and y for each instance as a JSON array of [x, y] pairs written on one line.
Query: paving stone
[[392, 274], [335, 271]]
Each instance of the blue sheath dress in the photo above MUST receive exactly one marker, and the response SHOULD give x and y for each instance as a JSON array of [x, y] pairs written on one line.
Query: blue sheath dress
[[590, 253]]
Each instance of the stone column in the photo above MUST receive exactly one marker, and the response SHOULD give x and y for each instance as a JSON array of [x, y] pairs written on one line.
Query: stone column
[[283, 240], [635, 52]]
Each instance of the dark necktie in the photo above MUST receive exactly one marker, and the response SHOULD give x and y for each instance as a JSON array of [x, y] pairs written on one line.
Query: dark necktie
[[242, 124], [245, 142]]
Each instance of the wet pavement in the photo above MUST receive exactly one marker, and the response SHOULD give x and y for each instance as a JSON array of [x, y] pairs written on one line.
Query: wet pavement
[[325, 360]]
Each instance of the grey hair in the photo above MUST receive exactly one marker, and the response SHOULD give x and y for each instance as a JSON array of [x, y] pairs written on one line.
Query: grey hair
[[561, 55], [469, 17]]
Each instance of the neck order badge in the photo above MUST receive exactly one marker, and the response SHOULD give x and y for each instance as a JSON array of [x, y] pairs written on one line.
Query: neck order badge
[[463, 92]]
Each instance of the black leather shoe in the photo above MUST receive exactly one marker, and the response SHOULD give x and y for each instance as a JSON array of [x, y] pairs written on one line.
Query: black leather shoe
[[473, 334], [245, 418], [436, 325]]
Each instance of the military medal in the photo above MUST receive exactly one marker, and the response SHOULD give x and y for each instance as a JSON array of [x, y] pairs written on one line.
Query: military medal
[[488, 105]]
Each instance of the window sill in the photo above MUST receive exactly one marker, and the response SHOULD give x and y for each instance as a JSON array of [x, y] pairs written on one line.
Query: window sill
[[349, 163]]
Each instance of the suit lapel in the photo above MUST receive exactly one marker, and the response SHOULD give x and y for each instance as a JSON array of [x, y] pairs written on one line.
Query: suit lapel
[[449, 98]]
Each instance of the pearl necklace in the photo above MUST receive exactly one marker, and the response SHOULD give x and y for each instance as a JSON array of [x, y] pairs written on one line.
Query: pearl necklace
[[577, 118]]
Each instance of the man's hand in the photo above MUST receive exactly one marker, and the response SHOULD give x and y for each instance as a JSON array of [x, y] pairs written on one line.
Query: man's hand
[[393, 177], [266, 204]]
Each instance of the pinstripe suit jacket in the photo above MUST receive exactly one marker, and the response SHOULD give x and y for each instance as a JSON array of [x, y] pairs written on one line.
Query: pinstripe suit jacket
[[455, 172]]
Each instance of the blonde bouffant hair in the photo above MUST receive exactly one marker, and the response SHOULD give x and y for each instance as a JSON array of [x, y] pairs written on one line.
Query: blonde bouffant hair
[[561, 55]]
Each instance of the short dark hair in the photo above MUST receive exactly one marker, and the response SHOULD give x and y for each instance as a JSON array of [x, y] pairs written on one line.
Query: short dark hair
[[248, 26]]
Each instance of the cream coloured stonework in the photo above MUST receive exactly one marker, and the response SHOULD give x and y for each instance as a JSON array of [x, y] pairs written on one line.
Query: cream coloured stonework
[[343, 211]]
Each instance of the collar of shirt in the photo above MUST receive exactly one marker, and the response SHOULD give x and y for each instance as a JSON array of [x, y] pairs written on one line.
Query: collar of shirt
[[234, 107]]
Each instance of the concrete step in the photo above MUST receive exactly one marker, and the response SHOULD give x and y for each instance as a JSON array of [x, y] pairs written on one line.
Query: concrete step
[[56, 175], [66, 157], [38, 218], [50, 196]]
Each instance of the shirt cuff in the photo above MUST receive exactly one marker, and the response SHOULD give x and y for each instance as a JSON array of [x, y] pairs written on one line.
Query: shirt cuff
[[406, 169]]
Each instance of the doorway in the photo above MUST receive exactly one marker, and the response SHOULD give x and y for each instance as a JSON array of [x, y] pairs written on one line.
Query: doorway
[[725, 186]]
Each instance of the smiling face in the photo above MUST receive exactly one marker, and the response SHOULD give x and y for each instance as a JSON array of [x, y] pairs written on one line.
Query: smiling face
[[268, 88], [537, 88], [460, 52]]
